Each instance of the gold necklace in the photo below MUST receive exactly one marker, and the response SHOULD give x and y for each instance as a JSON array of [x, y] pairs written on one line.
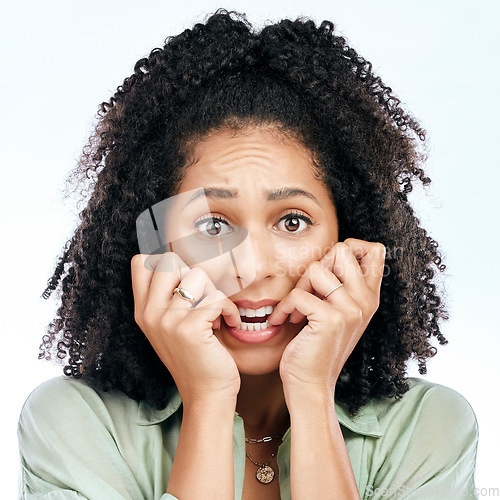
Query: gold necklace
[[265, 473], [265, 439]]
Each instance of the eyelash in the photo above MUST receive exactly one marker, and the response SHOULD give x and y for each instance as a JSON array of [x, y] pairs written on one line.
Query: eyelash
[[288, 215], [297, 215], [210, 218], [206, 218]]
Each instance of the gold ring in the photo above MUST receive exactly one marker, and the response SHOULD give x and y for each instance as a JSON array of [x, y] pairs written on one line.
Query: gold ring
[[185, 294], [333, 289]]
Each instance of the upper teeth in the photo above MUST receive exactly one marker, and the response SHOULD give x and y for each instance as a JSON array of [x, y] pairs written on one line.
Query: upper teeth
[[255, 313]]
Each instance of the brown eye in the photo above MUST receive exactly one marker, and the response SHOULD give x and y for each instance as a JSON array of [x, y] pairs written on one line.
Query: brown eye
[[292, 224], [212, 226]]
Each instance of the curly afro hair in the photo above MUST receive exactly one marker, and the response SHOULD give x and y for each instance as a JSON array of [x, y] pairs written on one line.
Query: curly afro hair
[[306, 80]]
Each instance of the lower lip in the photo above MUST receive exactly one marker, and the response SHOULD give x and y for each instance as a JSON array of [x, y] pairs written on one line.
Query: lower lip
[[255, 337]]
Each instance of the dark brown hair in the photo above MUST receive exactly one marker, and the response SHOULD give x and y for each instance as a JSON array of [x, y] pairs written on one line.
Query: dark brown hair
[[310, 82]]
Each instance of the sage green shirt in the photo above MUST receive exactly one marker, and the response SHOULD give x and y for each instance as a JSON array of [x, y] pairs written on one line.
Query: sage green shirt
[[78, 443]]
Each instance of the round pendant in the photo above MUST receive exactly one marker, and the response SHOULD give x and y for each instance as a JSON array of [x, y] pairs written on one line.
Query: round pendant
[[265, 474]]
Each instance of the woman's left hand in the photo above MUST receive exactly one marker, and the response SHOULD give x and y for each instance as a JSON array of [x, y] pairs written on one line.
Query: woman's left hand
[[335, 323]]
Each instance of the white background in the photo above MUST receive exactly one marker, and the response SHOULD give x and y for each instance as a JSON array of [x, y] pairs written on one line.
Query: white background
[[60, 59]]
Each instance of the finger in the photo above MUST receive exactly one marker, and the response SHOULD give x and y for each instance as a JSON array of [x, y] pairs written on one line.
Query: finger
[[318, 280], [338, 266], [340, 261], [356, 273], [141, 280], [215, 305], [344, 265], [371, 258], [143, 267], [167, 272], [298, 302], [316, 310], [197, 284], [292, 304], [216, 323]]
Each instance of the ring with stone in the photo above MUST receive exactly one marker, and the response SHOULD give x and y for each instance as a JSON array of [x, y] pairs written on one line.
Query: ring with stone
[[186, 295]]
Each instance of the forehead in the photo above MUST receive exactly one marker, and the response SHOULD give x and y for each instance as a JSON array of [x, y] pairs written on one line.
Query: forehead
[[246, 157]]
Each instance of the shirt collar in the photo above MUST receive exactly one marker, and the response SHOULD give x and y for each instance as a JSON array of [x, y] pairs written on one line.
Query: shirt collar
[[148, 415], [365, 422]]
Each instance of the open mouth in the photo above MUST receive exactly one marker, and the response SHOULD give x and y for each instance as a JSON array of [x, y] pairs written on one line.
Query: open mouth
[[254, 320]]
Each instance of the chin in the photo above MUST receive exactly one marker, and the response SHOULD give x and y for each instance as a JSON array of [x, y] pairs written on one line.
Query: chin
[[256, 359], [258, 369]]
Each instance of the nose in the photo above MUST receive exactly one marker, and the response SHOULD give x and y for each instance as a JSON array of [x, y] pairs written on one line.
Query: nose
[[256, 258]]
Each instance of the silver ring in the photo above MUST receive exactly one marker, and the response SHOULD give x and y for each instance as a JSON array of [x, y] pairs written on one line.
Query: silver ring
[[336, 288], [184, 294]]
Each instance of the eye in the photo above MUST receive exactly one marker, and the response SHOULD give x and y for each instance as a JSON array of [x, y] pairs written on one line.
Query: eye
[[295, 223], [213, 226]]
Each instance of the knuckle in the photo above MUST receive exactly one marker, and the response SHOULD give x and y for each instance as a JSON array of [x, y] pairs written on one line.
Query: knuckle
[[166, 323], [216, 296], [147, 317], [342, 246], [296, 293], [169, 262], [381, 249], [197, 277], [198, 273], [136, 260], [354, 314], [141, 262], [168, 255]]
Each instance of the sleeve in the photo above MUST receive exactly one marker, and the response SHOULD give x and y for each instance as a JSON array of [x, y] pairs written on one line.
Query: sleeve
[[437, 460], [68, 449]]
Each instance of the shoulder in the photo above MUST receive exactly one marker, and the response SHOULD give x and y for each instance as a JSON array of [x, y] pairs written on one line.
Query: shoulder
[[426, 443], [64, 391], [75, 438], [427, 397], [66, 424], [57, 390], [62, 400], [429, 414]]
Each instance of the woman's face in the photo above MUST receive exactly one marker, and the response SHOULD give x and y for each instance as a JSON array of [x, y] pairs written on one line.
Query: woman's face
[[263, 186]]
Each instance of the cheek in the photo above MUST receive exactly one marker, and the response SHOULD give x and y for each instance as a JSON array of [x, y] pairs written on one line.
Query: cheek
[[223, 274], [292, 260], [231, 267]]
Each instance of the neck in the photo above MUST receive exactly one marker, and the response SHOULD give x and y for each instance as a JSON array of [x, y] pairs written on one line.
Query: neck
[[261, 404]]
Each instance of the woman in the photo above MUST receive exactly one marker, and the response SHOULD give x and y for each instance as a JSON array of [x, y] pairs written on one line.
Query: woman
[[257, 346]]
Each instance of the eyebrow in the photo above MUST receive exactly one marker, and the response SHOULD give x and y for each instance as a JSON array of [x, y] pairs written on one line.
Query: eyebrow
[[278, 194], [284, 193], [212, 192]]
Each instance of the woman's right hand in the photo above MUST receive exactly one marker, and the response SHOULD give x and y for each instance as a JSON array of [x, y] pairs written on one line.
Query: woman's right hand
[[182, 335]]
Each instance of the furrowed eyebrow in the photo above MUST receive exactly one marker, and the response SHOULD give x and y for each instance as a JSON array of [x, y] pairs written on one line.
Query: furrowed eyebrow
[[213, 192], [290, 192], [282, 193]]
